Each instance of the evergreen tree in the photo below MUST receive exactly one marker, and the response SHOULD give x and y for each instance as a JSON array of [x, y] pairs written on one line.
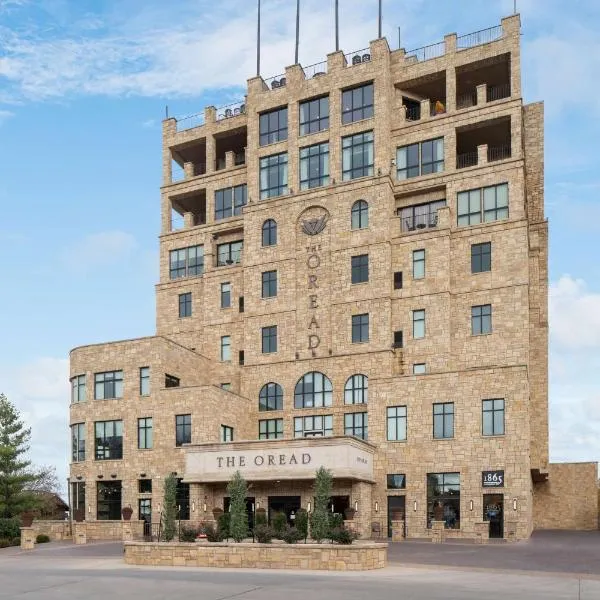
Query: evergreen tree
[[238, 489], [319, 521], [169, 508], [15, 477]]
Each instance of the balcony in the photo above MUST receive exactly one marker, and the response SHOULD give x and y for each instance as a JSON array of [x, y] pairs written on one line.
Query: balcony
[[483, 81], [423, 98], [483, 142], [419, 217], [358, 57], [426, 52], [188, 210]]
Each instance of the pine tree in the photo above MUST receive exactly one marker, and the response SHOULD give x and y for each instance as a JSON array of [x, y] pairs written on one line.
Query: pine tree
[[319, 521], [169, 512], [238, 489], [15, 477]]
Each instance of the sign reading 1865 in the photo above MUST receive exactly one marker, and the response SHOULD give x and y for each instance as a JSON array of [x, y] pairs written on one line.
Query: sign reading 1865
[[492, 479]]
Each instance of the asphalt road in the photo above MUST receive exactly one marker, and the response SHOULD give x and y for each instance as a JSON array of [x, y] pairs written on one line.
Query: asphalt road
[[96, 572]]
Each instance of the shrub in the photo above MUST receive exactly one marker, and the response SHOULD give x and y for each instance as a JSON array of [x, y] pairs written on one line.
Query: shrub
[[4, 543], [16, 541], [261, 517], [291, 535], [238, 490], [188, 534], [212, 534], [319, 522], [42, 538], [301, 522], [264, 534], [223, 525], [336, 520], [279, 524], [343, 535], [10, 528], [169, 508]]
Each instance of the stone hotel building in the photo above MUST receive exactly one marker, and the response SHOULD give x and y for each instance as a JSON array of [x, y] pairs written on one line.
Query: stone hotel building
[[353, 273]]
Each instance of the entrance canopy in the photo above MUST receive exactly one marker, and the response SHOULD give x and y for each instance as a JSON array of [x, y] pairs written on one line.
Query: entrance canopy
[[267, 460]]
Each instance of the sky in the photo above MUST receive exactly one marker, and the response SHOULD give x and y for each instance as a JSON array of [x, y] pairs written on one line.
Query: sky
[[83, 88]]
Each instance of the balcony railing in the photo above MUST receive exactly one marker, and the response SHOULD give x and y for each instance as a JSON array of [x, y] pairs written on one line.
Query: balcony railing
[[231, 110], [358, 57], [466, 100], [477, 38], [199, 169], [190, 121], [276, 82], [419, 221], [467, 159], [427, 52], [413, 113], [233, 258], [316, 70], [239, 158], [497, 92], [498, 153]]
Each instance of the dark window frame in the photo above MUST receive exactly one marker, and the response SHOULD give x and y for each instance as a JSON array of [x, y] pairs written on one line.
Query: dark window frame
[[186, 262], [144, 486], [356, 424], [145, 433], [270, 397], [273, 126], [488, 407], [443, 420], [481, 257], [271, 168], [360, 324], [359, 215], [313, 159], [185, 305], [226, 434], [481, 319], [144, 381], [358, 103], [396, 481], [269, 233], [313, 390], [396, 416], [224, 346], [314, 121], [355, 155], [230, 201], [416, 320], [230, 253], [78, 435], [309, 426], [183, 429], [448, 493], [420, 159], [111, 383], [78, 389], [269, 339], [418, 260], [108, 445], [420, 216], [109, 499], [270, 429], [477, 210], [225, 288], [356, 389], [359, 268], [269, 284]]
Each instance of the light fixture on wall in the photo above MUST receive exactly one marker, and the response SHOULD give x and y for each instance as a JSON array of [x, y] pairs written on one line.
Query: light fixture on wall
[[257, 504], [100, 476], [113, 475], [193, 506], [514, 504], [204, 507], [376, 506], [356, 505], [89, 508], [470, 504], [415, 506], [142, 475], [308, 507], [79, 477]]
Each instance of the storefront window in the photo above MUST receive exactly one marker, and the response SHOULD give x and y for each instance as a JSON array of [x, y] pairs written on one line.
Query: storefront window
[[108, 501], [443, 499]]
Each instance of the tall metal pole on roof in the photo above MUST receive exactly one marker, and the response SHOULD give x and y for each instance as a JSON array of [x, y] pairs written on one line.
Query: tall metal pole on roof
[[258, 43], [399, 38], [297, 31], [379, 30], [515, 6], [337, 26]]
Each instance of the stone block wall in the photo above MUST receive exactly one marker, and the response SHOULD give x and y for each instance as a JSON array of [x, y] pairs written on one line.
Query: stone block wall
[[55, 530]]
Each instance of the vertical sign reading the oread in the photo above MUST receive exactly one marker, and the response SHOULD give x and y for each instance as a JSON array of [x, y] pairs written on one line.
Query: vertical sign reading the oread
[[344, 460], [313, 223]]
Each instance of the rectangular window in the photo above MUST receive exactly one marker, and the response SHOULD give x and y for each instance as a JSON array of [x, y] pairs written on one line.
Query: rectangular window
[[182, 500], [270, 429], [360, 328], [225, 348], [273, 175], [185, 305], [108, 385], [108, 440], [443, 489], [396, 481], [420, 159], [481, 319], [171, 381], [398, 339], [183, 429], [225, 386], [241, 357], [420, 216], [269, 284], [443, 420], [419, 369], [269, 339], [418, 324], [314, 166], [226, 295], [396, 423], [418, 264], [241, 304], [145, 433], [357, 103], [186, 262], [145, 509], [313, 426], [78, 442], [273, 126], [357, 155], [493, 417], [78, 389], [360, 268], [398, 280], [314, 115], [481, 257], [144, 381], [356, 424], [230, 253], [472, 211], [229, 202], [78, 498], [108, 500], [144, 486], [226, 433]]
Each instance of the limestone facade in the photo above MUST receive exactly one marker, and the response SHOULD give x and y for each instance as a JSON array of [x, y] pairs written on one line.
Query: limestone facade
[[490, 138]]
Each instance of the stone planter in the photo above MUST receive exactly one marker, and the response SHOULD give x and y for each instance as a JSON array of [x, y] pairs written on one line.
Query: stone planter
[[349, 514], [126, 513], [79, 515], [27, 518]]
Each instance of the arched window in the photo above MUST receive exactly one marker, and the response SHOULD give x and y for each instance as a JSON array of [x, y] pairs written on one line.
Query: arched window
[[270, 397], [356, 390], [313, 389], [360, 214], [269, 233]]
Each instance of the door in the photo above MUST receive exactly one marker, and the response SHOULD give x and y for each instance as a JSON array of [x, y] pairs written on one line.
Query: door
[[338, 504], [493, 512], [284, 504], [396, 508]]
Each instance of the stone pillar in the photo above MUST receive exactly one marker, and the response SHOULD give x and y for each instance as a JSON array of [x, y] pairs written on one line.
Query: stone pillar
[[482, 532], [27, 538], [188, 170], [482, 154], [127, 531], [425, 109], [482, 94], [80, 532], [361, 493], [397, 531], [438, 529], [229, 159]]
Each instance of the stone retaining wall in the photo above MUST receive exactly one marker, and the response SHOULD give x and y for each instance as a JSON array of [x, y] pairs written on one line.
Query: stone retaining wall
[[55, 530], [360, 556], [112, 530]]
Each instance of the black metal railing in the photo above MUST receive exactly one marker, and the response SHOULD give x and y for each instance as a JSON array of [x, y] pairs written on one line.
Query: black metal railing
[[152, 531], [466, 100], [498, 153], [477, 38], [239, 158], [276, 82], [497, 92], [190, 121], [231, 110], [467, 159], [413, 113], [427, 52], [316, 70], [234, 258], [199, 168], [420, 221], [358, 57]]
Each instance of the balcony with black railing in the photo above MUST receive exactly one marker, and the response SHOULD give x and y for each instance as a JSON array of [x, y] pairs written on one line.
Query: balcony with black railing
[[483, 142], [420, 217], [423, 98], [483, 81]]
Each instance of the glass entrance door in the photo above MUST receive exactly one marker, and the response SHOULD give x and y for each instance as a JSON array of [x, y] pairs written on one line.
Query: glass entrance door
[[284, 504], [493, 512], [396, 511]]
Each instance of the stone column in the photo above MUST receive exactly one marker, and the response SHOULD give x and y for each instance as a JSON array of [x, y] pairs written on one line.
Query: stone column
[[361, 493], [397, 531], [80, 532], [127, 531], [482, 532], [438, 529], [27, 538]]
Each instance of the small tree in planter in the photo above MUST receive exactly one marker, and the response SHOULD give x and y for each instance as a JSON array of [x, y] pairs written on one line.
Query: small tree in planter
[[279, 524], [238, 489], [260, 517], [223, 523], [302, 522], [169, 508], [319, 522]]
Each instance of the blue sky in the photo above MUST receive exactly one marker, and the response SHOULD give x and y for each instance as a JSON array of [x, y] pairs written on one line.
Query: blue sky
[[83, 89]]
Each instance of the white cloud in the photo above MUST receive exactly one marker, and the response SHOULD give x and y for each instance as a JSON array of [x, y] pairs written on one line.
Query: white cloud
[[99, 249]]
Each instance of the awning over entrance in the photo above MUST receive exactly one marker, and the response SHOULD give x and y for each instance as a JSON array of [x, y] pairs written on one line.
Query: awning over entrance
[[262, 460]]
